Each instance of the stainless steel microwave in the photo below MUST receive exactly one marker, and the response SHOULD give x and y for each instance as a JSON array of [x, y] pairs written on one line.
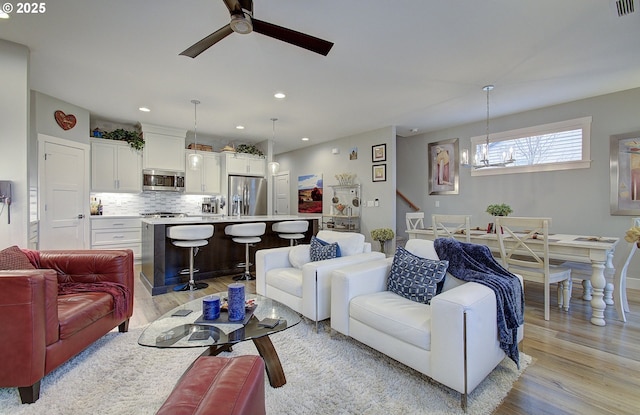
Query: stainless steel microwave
[[163, 180]]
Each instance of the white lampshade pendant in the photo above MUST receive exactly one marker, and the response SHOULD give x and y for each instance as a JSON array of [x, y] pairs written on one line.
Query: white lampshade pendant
[[274, 166], [195, 159]]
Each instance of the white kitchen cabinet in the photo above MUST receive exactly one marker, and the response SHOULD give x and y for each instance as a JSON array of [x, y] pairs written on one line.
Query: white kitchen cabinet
[[117, 233], [207, 179], [163, 148], [115, 166], [245, 164]]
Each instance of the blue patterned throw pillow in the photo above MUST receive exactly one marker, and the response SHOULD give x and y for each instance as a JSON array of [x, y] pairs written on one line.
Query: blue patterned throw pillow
[[321, 250], [415, 278]]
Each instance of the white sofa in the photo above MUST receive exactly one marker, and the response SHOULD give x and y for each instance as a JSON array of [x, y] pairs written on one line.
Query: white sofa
[[287, 274], [429, 338]]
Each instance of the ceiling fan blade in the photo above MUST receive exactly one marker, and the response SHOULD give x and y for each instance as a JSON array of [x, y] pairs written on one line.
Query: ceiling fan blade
[[204, 44], [302, 40]]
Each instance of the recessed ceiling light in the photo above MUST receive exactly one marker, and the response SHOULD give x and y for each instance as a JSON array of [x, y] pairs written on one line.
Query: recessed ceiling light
[[144, 109], [305, 138], [239, 127], [279, 95], [4, 15]]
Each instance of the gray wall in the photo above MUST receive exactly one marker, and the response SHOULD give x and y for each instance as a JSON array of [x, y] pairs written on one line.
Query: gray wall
[[576, 200], [319, 159], [14, 133]]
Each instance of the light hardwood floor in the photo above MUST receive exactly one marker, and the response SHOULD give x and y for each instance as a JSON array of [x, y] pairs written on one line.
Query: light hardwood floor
[[577, 368]]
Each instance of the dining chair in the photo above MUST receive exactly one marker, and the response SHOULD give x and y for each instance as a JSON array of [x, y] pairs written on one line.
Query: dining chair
[[415, 220], [524, 250], [446, 226]]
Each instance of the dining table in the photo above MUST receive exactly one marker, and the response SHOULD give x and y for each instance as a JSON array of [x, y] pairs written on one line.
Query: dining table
[[587, 249]]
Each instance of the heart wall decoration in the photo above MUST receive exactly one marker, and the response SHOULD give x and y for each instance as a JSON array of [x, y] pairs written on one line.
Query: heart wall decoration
[[66, 122]]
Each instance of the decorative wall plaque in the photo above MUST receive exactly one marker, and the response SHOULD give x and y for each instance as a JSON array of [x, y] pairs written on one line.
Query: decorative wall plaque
[[66, 122]]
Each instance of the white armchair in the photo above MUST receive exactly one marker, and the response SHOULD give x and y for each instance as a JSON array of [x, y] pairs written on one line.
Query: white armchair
[[287, 274], [453, 340]]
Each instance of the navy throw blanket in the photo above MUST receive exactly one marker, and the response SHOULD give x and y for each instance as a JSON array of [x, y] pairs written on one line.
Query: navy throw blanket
[[471, 262]]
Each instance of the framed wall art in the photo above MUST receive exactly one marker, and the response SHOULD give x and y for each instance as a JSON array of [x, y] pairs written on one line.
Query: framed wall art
[[379, 153], [443, 167], [379, 173], [624, 165], [310, 193]]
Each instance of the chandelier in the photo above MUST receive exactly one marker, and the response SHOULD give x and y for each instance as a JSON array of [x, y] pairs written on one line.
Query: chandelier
[[481, 158]]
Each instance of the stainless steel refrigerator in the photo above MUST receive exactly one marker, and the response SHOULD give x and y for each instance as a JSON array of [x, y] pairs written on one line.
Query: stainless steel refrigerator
[[247, 196]]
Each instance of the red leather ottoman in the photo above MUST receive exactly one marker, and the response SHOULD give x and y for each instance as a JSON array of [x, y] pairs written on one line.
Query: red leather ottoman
[[216, 385]]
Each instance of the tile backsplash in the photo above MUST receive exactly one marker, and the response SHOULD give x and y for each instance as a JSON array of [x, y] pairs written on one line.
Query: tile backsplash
[[133, 204]]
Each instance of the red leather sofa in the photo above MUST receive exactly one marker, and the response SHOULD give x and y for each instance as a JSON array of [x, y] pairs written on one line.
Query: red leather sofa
[[50, 314], [216, 385]]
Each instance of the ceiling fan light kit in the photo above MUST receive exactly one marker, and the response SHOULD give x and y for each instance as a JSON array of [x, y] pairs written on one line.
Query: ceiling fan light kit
[[243, 22]]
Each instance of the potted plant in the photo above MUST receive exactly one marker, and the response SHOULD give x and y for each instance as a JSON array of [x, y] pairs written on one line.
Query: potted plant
[[633, 235], [134, 138], [249, 149], [497, 210], [382, 235]]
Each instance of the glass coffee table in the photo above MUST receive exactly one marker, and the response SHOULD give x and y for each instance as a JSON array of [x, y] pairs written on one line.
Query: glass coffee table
[[177, 330]]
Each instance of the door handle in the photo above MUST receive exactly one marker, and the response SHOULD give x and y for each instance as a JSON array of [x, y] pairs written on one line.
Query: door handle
[[81, 216]]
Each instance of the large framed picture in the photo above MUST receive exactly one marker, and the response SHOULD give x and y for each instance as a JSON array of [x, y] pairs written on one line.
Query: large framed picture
[[443, 167], [379, 153], [624, 165]]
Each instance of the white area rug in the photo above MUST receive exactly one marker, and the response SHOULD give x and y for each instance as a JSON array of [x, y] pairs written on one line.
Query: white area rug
[[325, 375]]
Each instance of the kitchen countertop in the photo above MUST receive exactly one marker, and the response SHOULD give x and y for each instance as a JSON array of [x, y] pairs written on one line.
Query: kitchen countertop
[[115, 217], [225, 218]]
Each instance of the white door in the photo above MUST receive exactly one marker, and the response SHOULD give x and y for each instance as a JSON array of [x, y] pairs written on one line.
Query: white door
[[282, 193], [64, 187]]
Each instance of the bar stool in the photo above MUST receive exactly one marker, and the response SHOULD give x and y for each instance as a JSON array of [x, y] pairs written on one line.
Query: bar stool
[[291, 230], [247, 234], [192, 237]]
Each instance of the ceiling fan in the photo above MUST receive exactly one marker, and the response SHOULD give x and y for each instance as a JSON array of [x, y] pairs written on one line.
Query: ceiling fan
[[242, 22]]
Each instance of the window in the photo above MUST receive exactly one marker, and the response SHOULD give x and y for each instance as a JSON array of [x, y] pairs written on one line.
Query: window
[[557, 146]]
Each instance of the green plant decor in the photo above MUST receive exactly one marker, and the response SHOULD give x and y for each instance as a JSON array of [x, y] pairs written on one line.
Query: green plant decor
[[134, 138], [499, 210], [382, 235], [249, 149]]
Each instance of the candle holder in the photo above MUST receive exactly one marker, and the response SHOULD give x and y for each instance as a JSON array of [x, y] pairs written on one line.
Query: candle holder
[[235, 293], [211, 307]]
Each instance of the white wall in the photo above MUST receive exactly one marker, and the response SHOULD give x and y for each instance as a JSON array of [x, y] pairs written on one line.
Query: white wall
[[576, 200], [45, 122], [319, 159], [14, 133]]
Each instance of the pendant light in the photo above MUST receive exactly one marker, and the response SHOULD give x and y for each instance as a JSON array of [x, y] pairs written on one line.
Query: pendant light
[[195, 159], [274, 166]]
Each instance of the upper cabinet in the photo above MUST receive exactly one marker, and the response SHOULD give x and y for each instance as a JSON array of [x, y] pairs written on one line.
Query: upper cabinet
[[207, 179], [115, 166], [245, 164], [163, 148]]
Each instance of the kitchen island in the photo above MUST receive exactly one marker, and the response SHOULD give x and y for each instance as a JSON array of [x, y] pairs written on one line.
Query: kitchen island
[[162, 261]]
